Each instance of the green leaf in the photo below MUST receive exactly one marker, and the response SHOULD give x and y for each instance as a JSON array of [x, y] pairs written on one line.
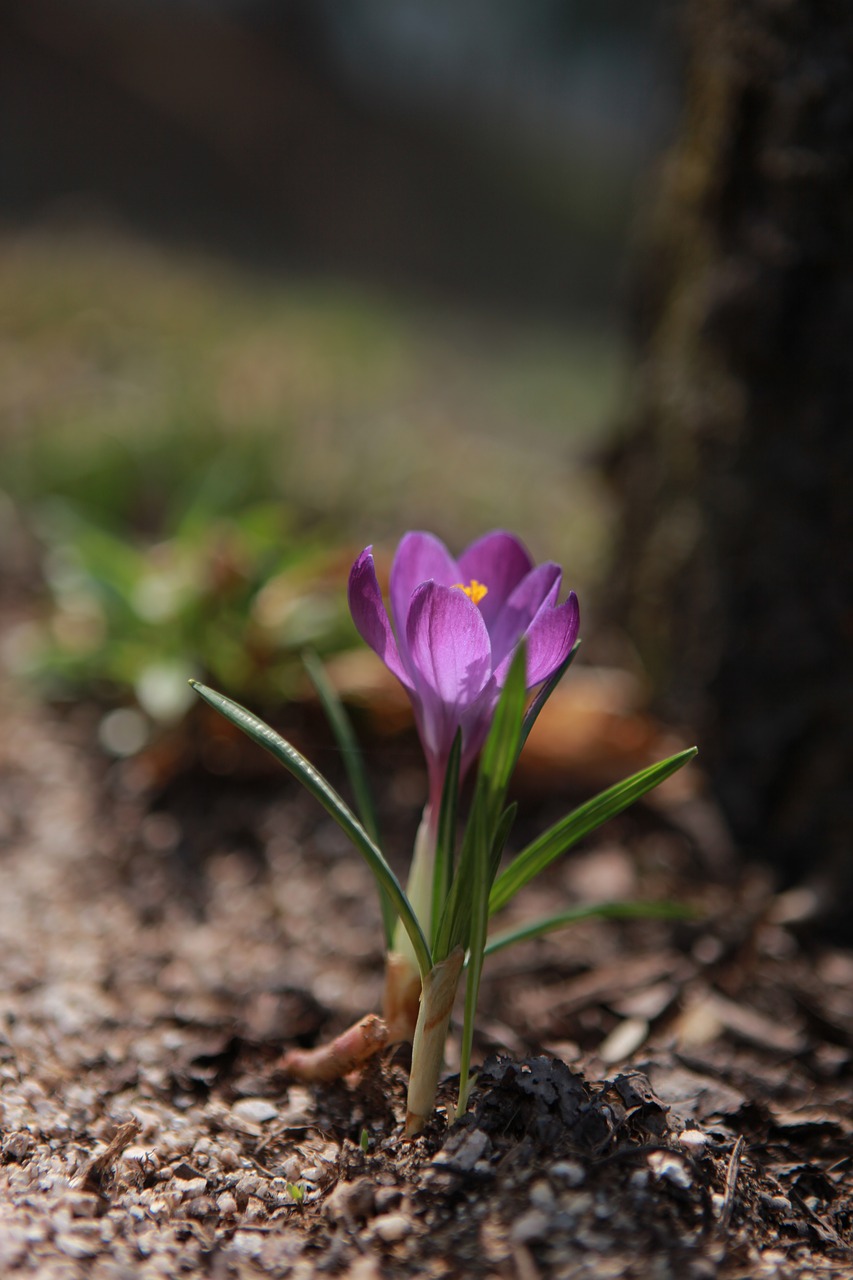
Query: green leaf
[[598, 911], [478, 928], [501, 751], [341, 726], [554, 842], [544, 694], [501, 836], [497, 761], [445, 848], [314, 782]]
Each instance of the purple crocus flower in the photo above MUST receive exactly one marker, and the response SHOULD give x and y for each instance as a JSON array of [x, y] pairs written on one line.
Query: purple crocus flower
[[456, 626]]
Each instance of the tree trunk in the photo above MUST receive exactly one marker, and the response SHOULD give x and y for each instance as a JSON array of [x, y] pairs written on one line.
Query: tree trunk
[[734, 572]]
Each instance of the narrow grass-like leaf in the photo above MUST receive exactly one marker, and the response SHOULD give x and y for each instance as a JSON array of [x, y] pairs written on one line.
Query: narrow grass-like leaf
[[341, 727], [557, 839], [496, 764], [501, 836], [314, 782], [598, 911], [500, 753], [445, 848], [532, 713], [478, 928]]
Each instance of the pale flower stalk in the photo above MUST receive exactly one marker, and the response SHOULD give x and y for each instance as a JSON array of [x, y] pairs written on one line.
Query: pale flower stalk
[[401, 997]]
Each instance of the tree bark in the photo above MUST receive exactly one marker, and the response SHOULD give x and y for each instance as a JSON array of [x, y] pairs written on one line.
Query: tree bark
[[734, 571]]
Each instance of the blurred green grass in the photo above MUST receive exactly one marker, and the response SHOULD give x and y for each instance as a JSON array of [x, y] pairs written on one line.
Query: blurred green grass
[[147, 395]]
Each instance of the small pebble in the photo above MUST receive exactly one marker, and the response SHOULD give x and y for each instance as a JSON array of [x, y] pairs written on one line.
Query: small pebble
[[670, 1169], [351, 1201], [197, 1207], [247, 1186], [569, 1172], [77, 1246], [779, 1204], [17, 1146], [191, 1187], [693, 1140], [256, 1210], [226, 1204], [146, 1159], [530, 1227], [387, 1198], [392, 1227], [541, 1196], [254, 1110]]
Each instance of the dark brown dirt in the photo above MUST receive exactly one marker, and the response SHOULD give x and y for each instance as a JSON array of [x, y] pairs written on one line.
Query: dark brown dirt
[[658, 1100]]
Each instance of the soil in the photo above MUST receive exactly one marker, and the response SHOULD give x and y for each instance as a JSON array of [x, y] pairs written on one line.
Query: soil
[[658, 1099]]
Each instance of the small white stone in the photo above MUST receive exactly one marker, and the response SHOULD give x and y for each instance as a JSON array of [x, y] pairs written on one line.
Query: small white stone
[[530, 1227], [392, 1227], [246, 1243], [693, 1141], [189, 1187], [254, 1110], [77, 1246], [256, 1210], [146, 1159], [247, 1185], [669, 1168], [569, 1172], [623, 1040], [541, 1195]]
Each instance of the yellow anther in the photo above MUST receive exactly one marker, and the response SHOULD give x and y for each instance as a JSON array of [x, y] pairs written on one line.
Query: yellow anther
[[474, 591]]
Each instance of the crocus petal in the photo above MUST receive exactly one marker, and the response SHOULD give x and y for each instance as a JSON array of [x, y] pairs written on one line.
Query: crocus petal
[[540, 586], [449, 644], [369, 614], [451, 658], [452, 648], [548, 640], [476, 723], [499, 561], [420, 557]]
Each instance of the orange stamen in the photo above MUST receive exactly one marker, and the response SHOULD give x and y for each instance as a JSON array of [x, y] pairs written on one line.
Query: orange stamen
[[474, 591]]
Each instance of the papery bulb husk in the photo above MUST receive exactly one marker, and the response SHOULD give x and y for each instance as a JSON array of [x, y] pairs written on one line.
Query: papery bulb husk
[[333, 1061], [436, 1007], [401, 998]]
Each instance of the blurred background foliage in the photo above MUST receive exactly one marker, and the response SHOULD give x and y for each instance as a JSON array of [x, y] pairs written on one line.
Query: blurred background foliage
[[279, 280]]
